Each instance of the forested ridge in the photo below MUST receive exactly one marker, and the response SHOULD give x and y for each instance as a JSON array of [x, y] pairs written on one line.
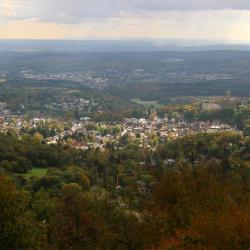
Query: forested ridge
[[191, 193]]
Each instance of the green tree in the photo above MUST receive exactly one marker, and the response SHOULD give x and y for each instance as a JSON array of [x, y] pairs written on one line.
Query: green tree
[[18, 228]]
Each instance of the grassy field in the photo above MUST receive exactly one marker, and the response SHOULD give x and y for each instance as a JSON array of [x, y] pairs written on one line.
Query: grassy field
[[36, 172], [154, 104]]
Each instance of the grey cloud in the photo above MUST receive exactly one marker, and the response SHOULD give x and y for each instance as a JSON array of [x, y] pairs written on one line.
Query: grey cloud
[[74, 11], [191, 4]]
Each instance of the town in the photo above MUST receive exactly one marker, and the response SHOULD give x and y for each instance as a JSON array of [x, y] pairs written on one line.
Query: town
[[105, 78], [86, 133]]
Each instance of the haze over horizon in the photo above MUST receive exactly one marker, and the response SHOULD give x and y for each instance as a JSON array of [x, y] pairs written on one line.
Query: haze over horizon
[[213, 20]]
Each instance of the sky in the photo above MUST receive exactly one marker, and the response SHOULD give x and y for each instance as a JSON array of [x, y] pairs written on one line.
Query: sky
[[213, 20]]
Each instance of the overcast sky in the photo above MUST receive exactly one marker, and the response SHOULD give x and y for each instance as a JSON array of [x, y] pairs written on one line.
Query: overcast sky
[[224, 20]]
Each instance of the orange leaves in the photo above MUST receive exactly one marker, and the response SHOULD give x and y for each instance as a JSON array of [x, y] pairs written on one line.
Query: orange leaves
[[211, 230]]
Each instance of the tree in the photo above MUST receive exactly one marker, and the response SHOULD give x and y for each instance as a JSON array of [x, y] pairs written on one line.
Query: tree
[[38, 137], [73, 226], [18, 228]]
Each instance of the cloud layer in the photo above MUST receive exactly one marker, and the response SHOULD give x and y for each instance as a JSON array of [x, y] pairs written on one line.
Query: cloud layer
[[79, 19], [68, 11]]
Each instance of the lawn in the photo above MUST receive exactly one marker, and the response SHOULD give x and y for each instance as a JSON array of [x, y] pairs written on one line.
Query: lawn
[[36, 172], [154, 104]]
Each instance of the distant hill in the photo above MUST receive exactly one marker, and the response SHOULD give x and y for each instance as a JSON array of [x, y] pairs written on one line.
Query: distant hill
[[116, 45]]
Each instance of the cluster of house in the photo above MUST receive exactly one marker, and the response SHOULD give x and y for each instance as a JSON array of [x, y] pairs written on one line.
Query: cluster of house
[[3, 76], [191, 77], [89, 78], [84, 127], [3, 109], [71, 104], [6, 118], [140, 129], [170, 127]]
